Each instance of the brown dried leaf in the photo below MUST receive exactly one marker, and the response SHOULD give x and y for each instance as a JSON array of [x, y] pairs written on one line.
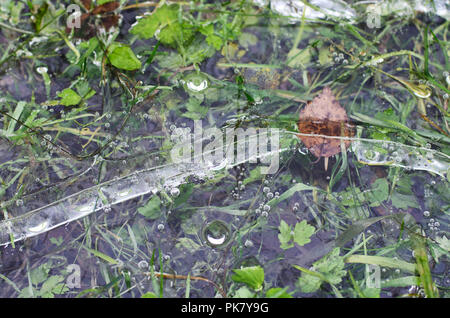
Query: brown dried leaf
[[86, 4], [110, 21], [324, 116], [107, 7]]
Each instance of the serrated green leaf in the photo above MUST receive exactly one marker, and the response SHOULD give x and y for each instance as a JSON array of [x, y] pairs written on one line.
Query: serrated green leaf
[[251, 276], [309, 283], [329, 269], [52, 286], [285, 235], [303, 232], [40, 274], [69, 97], [165, 20]]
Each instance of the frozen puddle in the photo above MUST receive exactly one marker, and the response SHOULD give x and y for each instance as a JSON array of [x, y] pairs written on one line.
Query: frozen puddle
[[170, 177]]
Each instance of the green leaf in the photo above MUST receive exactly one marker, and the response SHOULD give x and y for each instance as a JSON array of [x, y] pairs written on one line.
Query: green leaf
[[69, 97], [149, 295], [278, 293], [52, 286], [331, 266], [444, 242], [195, 109], [380, 192], [198, 50], [299, 58], [152, 210], [303, 232], [329, 269], [247, 39], [285, 235], [40, 274], [185, 193], [187, 243], [123, 57], [212, 39], [165, 20], [402, 201], [372, 292], [251, 276], [309, 283], [244, 292], [255, 174]]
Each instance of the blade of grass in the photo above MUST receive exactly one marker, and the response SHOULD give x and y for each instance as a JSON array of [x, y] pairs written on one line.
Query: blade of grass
[[382, 261], [101, 255]]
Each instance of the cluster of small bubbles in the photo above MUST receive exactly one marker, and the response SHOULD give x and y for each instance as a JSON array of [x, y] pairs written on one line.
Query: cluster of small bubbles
[[264, 214], [160, 227], [266, 207], [107, 125], [294, 181], [269, 195], [166, 257], [19, 202], [295, 208], [339, 57], [258, 211], [428, 146], [107, 208], [277, 194], [426, 213]]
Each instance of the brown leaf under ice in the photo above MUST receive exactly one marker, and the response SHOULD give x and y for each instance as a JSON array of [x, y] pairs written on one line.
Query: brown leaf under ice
[[324, 116]]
